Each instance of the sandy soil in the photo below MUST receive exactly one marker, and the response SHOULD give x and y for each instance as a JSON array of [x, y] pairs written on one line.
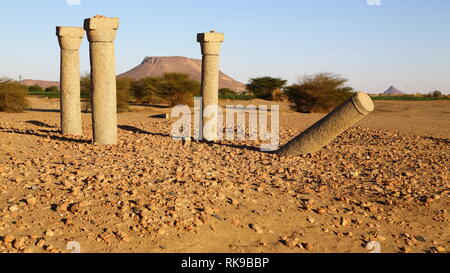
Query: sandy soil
[[385, 180]]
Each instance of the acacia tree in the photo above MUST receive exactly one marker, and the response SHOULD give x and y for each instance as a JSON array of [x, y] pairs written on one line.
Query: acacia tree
[[171, 88], [177, 88], [318, 93], [144, 90], [265, 87], [437, 94]]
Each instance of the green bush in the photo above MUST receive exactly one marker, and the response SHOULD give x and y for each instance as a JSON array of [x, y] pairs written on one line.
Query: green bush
[[171, 88], [144, 90], [237, 97], [437, 94], [263, 88], [12, 96], [123, 92], [35, 89], [52, 89], [85, 91], [85, 85], [318, 93], [226, 92], [177, 88]]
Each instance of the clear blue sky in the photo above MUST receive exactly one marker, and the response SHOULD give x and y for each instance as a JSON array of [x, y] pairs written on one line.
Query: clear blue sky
[[401, 42]]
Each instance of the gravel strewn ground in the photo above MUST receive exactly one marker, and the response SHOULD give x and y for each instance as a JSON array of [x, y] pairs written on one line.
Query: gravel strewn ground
[[152, 194]]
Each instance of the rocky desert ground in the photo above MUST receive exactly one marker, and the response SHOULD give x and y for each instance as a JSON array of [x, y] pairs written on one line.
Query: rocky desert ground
[[385, 180]]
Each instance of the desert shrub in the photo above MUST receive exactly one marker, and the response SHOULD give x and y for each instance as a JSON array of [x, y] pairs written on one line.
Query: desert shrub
[[85, 85], [177, 88], [144, 90], [318, 93], [226, 92], [123, 94], [35, 89], [237, 97], [12, 96], [437, 94], [279, 95], [171, 88], [52, 89], [264, 87], [85, 90]]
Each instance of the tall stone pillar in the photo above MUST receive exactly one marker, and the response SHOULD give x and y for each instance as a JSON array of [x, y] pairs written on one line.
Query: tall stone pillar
[[210, 45], [101, 32], [327, 129], [69, 41]]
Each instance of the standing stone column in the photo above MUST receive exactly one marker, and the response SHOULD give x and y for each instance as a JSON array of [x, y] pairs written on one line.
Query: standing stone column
[[210, 45], [335, 123], [101, 32], [69, 41]]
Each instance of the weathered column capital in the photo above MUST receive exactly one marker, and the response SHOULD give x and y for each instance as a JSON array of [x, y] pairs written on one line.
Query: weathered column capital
[[210, 42], [101, 29], [69, 37]]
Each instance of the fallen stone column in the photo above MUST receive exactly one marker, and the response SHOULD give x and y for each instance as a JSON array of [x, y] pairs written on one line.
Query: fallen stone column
[[327, 129], [101, 33], [210, 46], [69, 41]]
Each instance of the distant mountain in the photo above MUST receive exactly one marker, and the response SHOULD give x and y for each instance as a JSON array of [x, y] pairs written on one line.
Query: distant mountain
[[393, 91], [43, 84], [157, 66]]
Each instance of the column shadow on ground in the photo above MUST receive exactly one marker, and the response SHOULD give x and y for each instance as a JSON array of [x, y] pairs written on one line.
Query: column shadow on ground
[[140, 131], [44, 110], [446, 141], [46, 134], [237, 146], [40, 124], [150, 105], [43, 134]]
